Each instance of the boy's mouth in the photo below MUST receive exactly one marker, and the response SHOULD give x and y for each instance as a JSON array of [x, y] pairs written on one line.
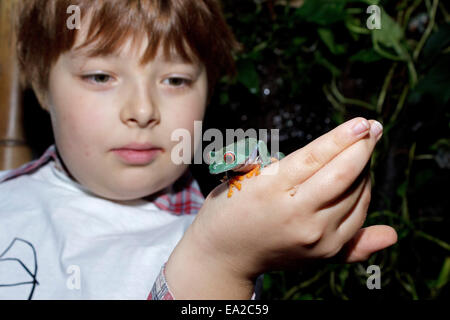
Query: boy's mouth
[[138, 146], [137, 154]]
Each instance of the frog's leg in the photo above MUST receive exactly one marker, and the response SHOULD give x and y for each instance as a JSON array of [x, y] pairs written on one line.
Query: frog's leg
[[234, 181], [255, 170], [266, 159], [264, 154], [279, 155]]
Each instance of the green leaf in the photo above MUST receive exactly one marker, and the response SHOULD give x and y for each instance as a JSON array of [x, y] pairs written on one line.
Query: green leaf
[[247, 75], [444, 142], [365, 55], [436, 83], [267, 282], [390, 33], [437, 41], [422, 177], [327, 64], [389, 36], [343, 276], [328, 38], [323, 12], [401, 190], [298, 41], [444, 274], [224, 98]]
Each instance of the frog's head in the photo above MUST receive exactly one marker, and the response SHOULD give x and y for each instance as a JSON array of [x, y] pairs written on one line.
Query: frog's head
[[229, 157], [222, 161]]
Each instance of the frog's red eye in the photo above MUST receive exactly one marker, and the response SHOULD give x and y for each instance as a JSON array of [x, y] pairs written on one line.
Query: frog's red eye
[[229, 157]]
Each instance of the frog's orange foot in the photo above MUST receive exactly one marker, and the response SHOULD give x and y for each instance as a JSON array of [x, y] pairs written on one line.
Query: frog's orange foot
[[234, 181], [253, 171]]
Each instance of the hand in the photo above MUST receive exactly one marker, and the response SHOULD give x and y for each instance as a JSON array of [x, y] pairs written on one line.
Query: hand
[[314, 206]]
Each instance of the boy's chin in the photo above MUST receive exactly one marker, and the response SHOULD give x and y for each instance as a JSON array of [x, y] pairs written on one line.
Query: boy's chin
[[135, 185], [130, 195], [132, 192]]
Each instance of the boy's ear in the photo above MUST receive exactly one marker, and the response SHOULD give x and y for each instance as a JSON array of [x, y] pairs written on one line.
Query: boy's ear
[[41, 96]]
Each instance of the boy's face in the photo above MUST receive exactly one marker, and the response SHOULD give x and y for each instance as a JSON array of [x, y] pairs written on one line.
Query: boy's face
[[103, 103]]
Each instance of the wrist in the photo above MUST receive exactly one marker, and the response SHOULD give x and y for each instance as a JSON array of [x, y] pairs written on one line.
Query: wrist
[[195, 273]]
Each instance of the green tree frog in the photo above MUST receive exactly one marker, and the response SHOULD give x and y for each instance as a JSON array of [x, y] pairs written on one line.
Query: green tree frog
[[242, 158]]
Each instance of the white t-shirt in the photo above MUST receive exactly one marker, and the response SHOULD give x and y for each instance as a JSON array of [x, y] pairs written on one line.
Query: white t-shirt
[[58, 241]]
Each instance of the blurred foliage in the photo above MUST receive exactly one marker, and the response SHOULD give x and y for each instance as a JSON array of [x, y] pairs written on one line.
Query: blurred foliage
[[310, 65]]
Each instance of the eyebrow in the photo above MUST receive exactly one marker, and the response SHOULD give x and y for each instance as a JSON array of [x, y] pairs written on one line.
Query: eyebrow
[[82, 56]]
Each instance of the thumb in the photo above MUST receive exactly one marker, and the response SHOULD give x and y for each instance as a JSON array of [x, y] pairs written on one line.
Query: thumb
[[367, 241]]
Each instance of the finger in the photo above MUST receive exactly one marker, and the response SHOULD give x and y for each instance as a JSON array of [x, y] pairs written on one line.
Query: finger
[[346, 203], [354, 219], [338, 175], [366, 242], [352, 222], [303, 163]]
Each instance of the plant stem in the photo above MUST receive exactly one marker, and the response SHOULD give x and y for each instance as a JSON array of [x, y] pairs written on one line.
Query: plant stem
[[444, 12], [387, 82], [424, 157], [332, 100], [345, 100], [437, 241], [304, 284], [408, 13], [428, 30], [405, 211], [400, 104]]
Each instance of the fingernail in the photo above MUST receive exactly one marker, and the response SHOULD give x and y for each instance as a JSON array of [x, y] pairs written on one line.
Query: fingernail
[[361, 127], [376, 129]]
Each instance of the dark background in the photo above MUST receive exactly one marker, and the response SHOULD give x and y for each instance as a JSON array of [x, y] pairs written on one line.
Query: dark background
[[306, 67]]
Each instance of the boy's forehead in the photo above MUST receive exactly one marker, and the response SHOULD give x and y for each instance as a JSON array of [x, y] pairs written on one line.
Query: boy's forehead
[[137, 48], [135, 44]]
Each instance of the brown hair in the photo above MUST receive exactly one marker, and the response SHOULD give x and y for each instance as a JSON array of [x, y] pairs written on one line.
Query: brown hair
[[42, 33]]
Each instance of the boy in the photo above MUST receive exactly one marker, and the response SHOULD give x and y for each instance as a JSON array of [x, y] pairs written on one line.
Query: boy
[[106, 205]]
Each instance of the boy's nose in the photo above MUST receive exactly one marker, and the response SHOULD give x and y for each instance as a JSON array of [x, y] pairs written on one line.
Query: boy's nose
[[140, 110]]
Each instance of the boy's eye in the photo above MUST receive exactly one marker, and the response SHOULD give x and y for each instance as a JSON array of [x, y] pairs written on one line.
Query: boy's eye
[[176, 81], [100, 78]]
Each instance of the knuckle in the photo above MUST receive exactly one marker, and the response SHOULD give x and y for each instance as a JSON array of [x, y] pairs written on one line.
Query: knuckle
[[362, 214], [311, 236], [335, 250], [338, 141], [339, 176], [312, 159], [367, 197], [331, 250]]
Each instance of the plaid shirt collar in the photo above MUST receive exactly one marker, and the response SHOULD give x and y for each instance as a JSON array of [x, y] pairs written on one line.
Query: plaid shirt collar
[[182, 197]]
